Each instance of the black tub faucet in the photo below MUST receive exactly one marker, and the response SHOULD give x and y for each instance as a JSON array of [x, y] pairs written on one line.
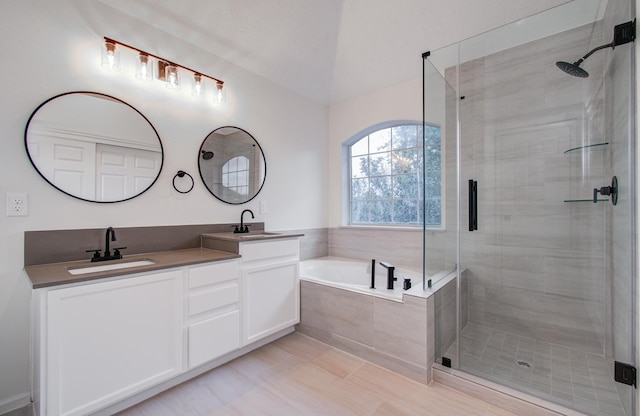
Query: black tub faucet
[[390, 270], [242, 228]]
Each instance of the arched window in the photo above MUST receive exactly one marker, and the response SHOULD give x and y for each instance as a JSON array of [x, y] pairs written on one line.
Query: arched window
[[386, 178]]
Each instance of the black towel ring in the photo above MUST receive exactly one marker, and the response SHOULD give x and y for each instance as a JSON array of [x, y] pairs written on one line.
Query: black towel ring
[[181, 174]]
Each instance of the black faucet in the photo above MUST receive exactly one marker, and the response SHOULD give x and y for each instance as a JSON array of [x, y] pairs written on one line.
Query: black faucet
[[110, 235], [390, 278], [107, 252], [243, 228]]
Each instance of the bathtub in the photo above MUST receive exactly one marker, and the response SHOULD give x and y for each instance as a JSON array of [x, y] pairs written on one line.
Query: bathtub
[[395, 329], [355, 275]]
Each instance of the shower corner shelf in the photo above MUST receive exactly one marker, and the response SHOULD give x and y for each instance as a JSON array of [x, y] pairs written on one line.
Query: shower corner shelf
[[585, 200], [587, 147]]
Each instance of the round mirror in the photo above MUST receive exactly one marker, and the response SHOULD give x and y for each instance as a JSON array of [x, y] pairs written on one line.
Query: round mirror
[[232, 165], [93, 147]]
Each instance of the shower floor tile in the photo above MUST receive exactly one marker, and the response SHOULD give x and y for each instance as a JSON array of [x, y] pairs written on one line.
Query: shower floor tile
[[567, 376]]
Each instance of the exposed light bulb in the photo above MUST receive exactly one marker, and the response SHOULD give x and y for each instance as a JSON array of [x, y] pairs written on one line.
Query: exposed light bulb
[[144, 71], [220, 94], [110, 56], [198, 85], [173, 77]]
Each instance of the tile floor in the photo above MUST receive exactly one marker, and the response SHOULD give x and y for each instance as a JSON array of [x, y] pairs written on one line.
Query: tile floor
[[564, 375], [297, 375]]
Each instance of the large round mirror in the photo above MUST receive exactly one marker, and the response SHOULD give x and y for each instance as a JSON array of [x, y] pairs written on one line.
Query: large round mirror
[[232, 165], [94, 147]]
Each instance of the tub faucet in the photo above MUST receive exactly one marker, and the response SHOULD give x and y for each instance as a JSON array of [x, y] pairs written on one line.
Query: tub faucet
[[390, 270], [373, 274], [243, 228]]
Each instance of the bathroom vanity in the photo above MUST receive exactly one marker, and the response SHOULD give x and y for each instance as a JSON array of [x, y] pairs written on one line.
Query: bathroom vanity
[[107, 339]]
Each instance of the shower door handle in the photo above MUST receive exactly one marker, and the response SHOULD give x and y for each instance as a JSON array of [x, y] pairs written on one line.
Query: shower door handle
[[473, 205]]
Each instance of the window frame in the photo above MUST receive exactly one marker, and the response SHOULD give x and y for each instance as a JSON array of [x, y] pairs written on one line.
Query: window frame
[[346, 176]]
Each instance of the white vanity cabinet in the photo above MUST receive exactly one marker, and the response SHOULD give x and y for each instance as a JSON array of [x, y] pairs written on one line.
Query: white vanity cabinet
[[271, 293], [99, 342], [213, 310], [101, 345]]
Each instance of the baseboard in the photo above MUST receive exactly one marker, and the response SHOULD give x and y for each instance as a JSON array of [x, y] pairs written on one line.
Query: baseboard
[[498, 395], [14, 402]]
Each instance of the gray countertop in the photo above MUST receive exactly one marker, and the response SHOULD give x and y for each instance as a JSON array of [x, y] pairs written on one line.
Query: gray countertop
[[215, 247], [53, 274]]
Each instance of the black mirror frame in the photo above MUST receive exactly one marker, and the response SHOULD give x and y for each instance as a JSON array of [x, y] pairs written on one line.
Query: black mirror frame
[[201, 153], [26, 131]]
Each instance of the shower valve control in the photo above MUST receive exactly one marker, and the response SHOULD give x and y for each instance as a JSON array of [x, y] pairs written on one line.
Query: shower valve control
[[608, 191]]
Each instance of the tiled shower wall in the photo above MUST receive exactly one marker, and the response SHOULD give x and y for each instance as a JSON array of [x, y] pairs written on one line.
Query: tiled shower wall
[[536, 263]]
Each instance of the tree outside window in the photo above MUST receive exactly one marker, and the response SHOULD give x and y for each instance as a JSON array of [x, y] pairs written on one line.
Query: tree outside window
[[386, 177]]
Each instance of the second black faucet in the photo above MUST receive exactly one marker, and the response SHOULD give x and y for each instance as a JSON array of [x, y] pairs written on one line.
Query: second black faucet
[[243, 228]]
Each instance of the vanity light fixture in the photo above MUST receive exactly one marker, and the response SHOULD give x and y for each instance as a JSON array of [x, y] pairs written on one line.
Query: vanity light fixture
[[198, 86], [172, 77], [220, 93], [110, 55], [168, 71], [145, 67]]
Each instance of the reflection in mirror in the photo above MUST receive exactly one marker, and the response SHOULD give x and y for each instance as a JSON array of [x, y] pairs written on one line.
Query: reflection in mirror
[[94, 147], [232, 165]]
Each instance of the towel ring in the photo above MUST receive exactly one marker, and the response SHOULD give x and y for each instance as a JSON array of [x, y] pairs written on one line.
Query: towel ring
[[181, 174]]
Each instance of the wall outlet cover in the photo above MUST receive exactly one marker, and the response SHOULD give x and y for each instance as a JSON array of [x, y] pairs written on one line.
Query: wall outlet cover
[[17, 205]]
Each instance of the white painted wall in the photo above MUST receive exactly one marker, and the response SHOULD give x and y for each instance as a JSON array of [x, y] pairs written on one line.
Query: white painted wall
[[54, 47], [348, 117]]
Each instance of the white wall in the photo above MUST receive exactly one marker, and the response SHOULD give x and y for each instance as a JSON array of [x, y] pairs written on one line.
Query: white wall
[[348, 117], [54, 47]]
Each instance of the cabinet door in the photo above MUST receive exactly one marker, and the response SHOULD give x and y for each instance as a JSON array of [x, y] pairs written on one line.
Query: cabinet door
[[213, 337], [109, 340], [271, 299]]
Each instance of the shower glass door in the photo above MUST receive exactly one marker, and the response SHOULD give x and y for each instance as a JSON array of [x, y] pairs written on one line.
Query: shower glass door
[[441, 243], [545, 293]]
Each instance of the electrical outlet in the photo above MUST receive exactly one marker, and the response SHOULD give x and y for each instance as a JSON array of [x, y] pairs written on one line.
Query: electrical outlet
[[17, 205], [263, 207]]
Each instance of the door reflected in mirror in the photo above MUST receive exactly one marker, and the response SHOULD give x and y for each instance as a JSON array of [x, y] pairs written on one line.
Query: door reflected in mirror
[[94, 147], [232, 165]]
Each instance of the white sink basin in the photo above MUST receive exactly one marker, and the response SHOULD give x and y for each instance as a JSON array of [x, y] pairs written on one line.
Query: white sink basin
[[110, 266], [256, 235]]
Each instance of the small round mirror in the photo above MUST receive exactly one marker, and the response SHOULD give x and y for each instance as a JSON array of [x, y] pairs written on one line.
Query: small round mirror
[[93, 147], [232, 165]]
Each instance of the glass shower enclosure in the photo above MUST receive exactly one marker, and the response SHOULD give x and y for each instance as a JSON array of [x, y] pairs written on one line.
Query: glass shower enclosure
[[539, 205]]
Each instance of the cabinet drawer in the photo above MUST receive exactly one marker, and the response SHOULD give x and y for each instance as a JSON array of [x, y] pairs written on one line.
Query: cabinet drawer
[[212, 299], [213, 337], [273, 249], [213, 273]]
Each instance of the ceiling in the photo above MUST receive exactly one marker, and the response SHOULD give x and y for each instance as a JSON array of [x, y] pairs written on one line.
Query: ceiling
[[326, 50]]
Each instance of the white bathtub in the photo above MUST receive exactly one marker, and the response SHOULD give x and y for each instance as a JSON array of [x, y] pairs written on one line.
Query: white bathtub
[[355, 275]]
